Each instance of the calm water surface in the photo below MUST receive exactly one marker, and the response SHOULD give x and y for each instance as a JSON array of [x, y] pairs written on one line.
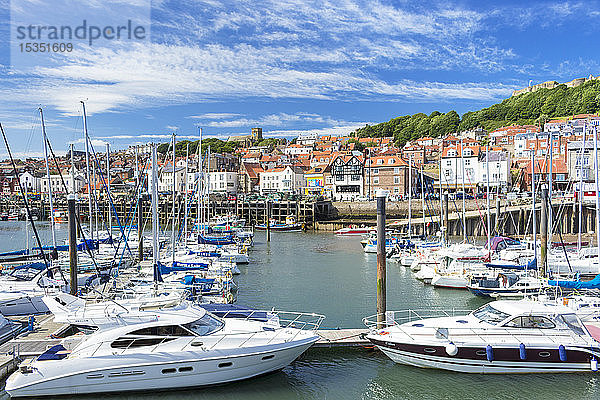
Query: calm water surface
[[318, 272]]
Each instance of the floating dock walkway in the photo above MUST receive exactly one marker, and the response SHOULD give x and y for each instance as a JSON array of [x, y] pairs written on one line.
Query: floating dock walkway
[[342, 338]]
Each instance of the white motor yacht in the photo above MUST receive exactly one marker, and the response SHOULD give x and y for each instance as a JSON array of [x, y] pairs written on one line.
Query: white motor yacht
[[171, 348], [501, 337]]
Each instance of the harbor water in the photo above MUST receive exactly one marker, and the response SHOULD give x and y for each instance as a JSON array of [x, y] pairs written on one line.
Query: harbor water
[[322, 273]]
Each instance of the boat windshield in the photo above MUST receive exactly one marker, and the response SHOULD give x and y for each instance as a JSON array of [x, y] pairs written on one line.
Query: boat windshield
[[24, 274], [205, 325], [570, 321], [489, 314]]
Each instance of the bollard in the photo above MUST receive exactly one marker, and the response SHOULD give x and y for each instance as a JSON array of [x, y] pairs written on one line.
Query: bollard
[[381, 273]]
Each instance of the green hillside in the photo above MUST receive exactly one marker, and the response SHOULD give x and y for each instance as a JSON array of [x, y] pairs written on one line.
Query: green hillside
[[528, 108]]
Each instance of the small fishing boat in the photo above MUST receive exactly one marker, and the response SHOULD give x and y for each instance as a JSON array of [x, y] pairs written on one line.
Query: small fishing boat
[[353, 230], [507, 283], [501, 337], [290, 225]]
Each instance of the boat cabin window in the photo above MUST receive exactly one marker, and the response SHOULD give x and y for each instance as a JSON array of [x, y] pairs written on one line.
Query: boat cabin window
[[205, 325], [168, 330], [570, 321], [489, 314], [530, 321], [128, 343]]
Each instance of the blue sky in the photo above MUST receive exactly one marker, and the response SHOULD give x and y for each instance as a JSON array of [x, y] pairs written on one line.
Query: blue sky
[[288, 66]]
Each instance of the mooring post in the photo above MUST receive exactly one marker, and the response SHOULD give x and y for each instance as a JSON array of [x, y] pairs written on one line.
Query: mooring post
[[140, 228], [544, 231], [268, 221], [381, 283], [445, 227], [72, 244]]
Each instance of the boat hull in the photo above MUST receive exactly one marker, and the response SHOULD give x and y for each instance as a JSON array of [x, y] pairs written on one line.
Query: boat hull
[[450, 282], [155, 372], [474, 360]]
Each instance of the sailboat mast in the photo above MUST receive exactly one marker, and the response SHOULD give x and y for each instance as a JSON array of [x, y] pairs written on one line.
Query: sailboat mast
[[533, 218], [550, 188], [597, 179], [208, 186], [487, 195], [155, 227], [185, 213], [199, 187], [108, 189], [45, 139], [581, 157], [87, 171], [409, 193], [441, 205], [464, 192], [173, 220], [423, 200]]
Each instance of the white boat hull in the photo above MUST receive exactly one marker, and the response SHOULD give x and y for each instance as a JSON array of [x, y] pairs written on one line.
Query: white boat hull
[[481, 366], [452, 282], [152, 372]]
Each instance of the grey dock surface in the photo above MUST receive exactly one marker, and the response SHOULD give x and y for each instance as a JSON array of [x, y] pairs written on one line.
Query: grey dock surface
[[342, 338], [35, 342]]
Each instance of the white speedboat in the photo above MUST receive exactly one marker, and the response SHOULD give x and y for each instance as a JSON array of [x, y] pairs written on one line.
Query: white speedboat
[[501, 337], [22, 290], [172, 348]]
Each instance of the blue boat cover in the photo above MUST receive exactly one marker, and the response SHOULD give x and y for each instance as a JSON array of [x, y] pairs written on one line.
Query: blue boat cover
[[220, 240], [530, 265], [57, 352], [210, 254], [15, 253], [179, 266], [36, 265], [593, 284], [205, 285]]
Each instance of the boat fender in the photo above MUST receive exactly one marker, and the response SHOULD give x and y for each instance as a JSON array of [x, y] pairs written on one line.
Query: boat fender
[[489, 352], [451, 349], [594, 364], [562, 353], [522, 352]]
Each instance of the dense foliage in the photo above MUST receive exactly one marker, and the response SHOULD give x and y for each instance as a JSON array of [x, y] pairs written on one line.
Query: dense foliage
[[527, 108], [410, 127], [216, 146]]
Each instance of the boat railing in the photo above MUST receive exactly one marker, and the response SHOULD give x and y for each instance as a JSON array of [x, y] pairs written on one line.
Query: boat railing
[[391, 318], [279, 322], [279, 319]]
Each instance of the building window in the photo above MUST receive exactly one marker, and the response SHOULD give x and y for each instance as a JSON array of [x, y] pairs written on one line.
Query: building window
[[355, 178], [396, 170], [396, 180], [375, 170], [339, 178], [376, 180]]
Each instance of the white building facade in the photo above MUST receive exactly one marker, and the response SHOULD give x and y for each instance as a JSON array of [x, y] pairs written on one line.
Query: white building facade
[[223, 182], [289, 179]]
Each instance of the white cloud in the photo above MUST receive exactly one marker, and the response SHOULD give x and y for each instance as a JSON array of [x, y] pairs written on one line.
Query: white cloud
[[213, 116], [172, 128], [96, 142]]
